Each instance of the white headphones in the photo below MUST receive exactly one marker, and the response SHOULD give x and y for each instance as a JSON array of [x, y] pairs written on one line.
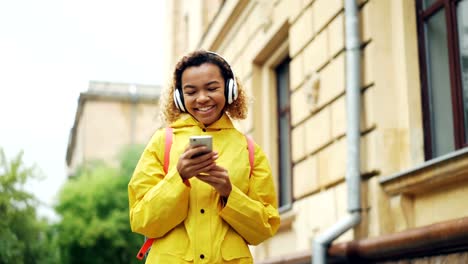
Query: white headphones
[[230, 89]]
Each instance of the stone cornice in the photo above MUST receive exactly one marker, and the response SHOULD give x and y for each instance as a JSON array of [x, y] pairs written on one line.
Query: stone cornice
[[433, 174]]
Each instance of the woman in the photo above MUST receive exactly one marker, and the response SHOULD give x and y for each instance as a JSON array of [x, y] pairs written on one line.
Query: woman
[[207, 208]]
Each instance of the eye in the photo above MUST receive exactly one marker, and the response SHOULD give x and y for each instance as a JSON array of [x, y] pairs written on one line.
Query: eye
[[190, 91], [212, 89]]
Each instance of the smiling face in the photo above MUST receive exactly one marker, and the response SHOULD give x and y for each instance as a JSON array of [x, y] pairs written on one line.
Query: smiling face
[[203, 91]]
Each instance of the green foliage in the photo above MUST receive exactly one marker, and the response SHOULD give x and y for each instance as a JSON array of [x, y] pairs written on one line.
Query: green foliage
[[128, 158], [94, 225], [23, 238], [94, 209]]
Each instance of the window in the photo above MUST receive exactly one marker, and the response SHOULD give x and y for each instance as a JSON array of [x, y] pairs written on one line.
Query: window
[[284, 134], [443, 45]]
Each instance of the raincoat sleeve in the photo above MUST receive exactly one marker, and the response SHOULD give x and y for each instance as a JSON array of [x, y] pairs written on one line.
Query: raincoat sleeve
[[157, 202], [254, 215]]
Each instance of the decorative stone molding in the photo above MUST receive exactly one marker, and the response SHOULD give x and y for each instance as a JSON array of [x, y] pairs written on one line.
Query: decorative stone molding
[[311, 90], [267, 8], [434, 174]]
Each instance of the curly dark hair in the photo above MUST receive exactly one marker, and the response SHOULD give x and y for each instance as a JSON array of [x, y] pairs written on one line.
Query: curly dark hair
[[235, 110]]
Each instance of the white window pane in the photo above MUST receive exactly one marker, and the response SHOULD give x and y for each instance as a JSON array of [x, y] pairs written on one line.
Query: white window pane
[[285, 167], [440, 103], [284, 128], [428, 3]]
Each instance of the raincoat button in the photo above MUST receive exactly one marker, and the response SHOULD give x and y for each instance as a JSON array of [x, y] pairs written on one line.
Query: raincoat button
[[204, 130], [202, 211], [202, 256]]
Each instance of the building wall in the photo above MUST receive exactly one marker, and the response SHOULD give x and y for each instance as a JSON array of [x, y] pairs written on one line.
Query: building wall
[[107, 122], [109, 126], [254, 36]]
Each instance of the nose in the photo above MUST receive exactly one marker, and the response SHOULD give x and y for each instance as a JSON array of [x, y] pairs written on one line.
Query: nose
[[203, 97]]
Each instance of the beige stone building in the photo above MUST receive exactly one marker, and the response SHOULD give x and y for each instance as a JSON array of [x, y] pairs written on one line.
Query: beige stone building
[[110, 116], [292, 57]]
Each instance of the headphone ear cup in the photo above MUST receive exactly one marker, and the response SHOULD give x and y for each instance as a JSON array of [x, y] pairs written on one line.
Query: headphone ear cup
[[235, 90], [178, 101], [232, 92]]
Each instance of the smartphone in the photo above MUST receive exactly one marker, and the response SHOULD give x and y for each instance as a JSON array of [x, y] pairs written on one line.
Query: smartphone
[[202, 140]]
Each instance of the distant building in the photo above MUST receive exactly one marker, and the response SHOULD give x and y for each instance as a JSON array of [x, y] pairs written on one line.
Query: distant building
[[291, 56], [110, 116]]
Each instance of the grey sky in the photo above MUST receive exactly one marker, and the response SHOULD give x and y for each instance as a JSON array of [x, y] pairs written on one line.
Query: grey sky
[[49, 51]]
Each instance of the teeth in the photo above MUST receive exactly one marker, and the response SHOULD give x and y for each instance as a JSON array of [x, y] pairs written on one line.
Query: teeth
[[204, 108]]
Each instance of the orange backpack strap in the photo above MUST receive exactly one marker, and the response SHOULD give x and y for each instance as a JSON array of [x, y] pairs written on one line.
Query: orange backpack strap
[[251, 148], [167, 155], [167, 148], [146, 246]]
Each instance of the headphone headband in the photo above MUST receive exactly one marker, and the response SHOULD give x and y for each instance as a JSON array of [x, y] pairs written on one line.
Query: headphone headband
[[223, 59]]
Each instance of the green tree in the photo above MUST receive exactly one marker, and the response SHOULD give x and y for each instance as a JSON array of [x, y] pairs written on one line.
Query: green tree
[[23, 237], [94, 209]]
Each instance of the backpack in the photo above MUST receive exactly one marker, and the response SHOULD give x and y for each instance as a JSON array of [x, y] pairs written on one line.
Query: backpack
[[167, 150]]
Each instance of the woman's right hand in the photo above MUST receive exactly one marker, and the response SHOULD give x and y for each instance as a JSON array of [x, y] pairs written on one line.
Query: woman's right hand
[[191, 163]]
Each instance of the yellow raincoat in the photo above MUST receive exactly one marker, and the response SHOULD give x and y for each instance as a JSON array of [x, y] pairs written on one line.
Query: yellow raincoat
[[190, 223]]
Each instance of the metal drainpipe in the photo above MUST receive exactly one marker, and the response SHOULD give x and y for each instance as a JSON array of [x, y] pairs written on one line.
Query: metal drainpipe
[[353, 103]]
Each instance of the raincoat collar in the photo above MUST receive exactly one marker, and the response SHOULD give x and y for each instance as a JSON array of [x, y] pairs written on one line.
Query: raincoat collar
[[187, 120]]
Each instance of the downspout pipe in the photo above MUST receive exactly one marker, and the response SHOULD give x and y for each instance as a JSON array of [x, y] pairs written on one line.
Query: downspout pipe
[[353, 104]]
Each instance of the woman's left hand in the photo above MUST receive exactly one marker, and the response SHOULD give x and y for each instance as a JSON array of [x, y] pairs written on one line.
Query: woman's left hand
[[218, 177]]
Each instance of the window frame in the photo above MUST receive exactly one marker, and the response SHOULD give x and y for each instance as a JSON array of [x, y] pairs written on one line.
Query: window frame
[[281, 111], [456, 87]]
